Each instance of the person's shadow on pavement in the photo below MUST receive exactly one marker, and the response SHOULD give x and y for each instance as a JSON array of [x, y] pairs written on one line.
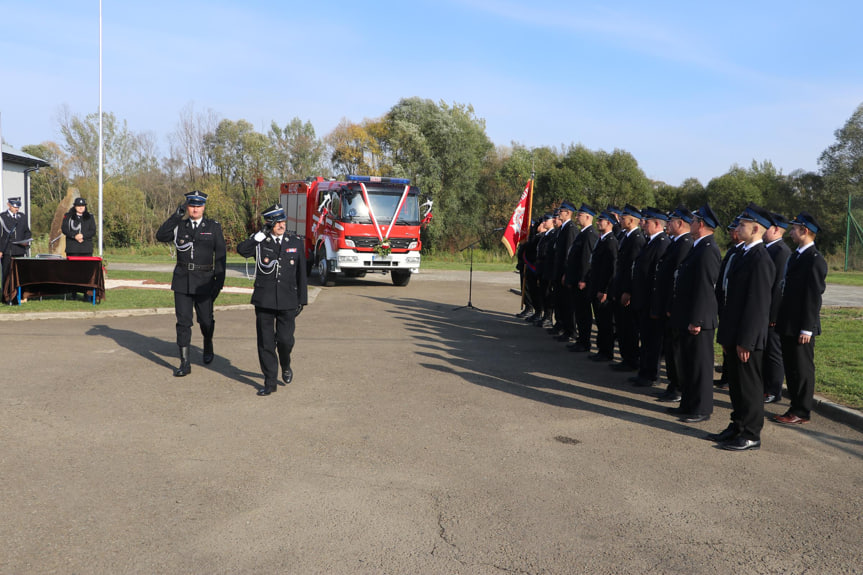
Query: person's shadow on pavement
[[155, 350]]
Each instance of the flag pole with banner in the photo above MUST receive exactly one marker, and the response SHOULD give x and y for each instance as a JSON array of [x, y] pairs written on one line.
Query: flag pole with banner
[[519, 224]]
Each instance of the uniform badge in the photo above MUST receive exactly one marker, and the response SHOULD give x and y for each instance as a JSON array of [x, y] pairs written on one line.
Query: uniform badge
[[292, 262]]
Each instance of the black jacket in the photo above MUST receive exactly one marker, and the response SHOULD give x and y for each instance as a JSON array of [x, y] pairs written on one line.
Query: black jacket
[[12, 230], [779, 253], [201, 255], [663, 289], [629, 246], [602, 264], [800, 309], [578, 258], [694, 300], [73, 224], [280, 277], [744, 321], [644, 271]]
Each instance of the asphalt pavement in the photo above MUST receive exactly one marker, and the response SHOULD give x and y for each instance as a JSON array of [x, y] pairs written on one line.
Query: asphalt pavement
[[419, 436]]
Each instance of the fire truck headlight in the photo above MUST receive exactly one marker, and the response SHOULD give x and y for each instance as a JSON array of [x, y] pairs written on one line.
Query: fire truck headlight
[[413, 245], [348, 259], [349, 243]]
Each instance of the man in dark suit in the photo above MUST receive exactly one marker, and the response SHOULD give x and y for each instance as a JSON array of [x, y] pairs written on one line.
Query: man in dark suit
[[743, 332], [625, 318], [735, 248], [565, 325], [799, 318], [540, 253], [774, 372], [600, 276], [548, 254], [694, 318], [279, 296], [198, 275], [660, 304], [643, 283], [575, 277]]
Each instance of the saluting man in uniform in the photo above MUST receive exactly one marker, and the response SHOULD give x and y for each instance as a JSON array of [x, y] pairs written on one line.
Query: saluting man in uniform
[[279, 296], [199, 274]]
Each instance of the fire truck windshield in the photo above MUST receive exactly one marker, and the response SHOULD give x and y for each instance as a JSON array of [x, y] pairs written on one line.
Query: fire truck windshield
[[384, 202]]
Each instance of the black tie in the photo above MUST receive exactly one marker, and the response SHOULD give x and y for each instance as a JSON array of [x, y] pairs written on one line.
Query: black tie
[[194, 226]]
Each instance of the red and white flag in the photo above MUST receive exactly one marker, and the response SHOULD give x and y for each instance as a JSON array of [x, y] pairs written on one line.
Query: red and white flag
[[519, 224]]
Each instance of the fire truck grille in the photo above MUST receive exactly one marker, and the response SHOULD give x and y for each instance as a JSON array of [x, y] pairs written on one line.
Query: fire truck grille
[[366, 242], [380, 264]]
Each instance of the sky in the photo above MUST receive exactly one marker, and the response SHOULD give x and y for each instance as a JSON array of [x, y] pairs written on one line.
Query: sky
[[690, 89]]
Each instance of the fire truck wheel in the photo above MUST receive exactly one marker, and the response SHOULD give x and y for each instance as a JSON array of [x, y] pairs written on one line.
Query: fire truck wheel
[[401, 277], [325, 277]]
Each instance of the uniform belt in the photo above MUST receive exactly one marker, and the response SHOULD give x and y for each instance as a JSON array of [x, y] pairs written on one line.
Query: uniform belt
[[199, 268]]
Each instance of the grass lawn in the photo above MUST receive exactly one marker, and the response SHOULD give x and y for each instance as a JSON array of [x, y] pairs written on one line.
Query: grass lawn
[[838, 361]]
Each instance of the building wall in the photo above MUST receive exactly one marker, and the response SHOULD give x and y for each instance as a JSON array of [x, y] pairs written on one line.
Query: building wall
[[13, 182]]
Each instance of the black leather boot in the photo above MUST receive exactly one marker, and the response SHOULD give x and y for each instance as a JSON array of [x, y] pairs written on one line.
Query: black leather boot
[[208, 350], [185, 366]]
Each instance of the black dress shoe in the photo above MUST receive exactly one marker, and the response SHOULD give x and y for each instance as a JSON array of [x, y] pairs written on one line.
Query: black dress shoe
[[669, 396], [578, 347], [741, 444], [597, 357], [727, 434], [676, 411], [643, 382], [695, 418], [720, 384], [288, 376], [264, 392], [622, 366]]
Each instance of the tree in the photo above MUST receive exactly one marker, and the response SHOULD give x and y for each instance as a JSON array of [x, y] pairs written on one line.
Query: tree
[[296, 151], [842, 169]]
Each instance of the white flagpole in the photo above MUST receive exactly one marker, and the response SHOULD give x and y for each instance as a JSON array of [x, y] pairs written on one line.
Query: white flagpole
[[101, 211]]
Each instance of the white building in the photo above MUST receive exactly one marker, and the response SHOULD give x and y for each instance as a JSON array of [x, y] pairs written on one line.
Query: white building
[[17, 167]]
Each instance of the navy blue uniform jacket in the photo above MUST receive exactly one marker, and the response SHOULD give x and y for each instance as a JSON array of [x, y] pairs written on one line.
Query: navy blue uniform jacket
[[285, 287]]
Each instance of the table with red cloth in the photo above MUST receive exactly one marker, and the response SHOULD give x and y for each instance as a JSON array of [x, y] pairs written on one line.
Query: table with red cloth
[[51, 276]]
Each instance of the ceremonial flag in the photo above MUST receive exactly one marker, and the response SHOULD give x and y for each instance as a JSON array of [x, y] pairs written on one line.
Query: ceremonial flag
[[519, 224]]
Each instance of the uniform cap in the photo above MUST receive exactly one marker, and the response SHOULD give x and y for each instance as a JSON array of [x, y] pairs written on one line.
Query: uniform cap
[[564, 205], [780, 221], [79, 202], [15, 202], [607, 216], [274, 213], [654, 214], [196, 198], [612, 209], [757, 214], [808, 220], [734, 222], [706, 214], [587, 210], [547, 216], [630, 210], [681, 212]]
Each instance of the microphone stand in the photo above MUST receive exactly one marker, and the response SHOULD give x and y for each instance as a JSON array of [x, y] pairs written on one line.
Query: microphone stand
[[470, 281], [470, 276]]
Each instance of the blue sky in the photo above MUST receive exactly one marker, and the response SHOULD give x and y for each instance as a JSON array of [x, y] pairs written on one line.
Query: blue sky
[[688, 88]]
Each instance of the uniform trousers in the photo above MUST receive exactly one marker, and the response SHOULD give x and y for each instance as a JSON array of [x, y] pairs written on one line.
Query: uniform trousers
[[774, 370], [651, 331], [583, 315], [799, 359], [564, 309], [696, 354], [746, 389], [604, 313], [546, 307], [673, 358], [203, 306], [275, 330], [626, 325], [533, 297]]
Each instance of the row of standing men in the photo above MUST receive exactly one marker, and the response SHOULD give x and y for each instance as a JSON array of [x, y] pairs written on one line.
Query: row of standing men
[[657, 285]]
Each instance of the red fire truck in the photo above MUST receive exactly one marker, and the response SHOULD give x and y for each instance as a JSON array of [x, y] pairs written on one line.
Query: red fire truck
[[363, 224]]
